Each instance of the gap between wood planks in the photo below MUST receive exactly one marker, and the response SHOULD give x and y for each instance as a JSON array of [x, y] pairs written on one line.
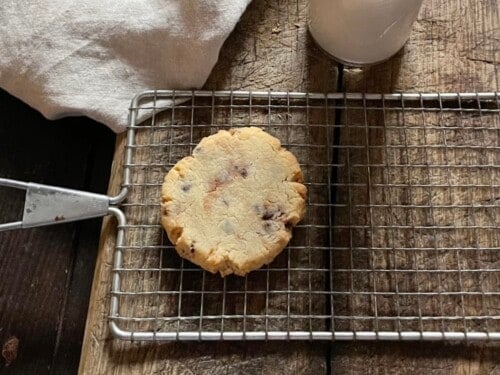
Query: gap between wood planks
[[333, 195]]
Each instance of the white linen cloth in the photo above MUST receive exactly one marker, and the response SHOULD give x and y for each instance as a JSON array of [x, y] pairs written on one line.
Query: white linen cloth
[[90, 57]]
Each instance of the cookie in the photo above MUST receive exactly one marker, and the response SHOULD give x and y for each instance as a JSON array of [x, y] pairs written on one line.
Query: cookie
[[231, 206]]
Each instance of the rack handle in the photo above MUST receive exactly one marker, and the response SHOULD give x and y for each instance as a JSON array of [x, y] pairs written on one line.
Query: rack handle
[[46, 205]]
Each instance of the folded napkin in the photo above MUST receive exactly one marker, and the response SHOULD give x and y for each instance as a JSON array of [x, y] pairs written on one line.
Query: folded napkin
[[90, 57]]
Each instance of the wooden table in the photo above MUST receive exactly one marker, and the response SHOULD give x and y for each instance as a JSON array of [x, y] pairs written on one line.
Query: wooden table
[[452, 48], [46, 272]]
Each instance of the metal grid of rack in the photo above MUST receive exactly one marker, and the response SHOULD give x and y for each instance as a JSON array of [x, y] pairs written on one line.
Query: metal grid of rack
[[401, 239]]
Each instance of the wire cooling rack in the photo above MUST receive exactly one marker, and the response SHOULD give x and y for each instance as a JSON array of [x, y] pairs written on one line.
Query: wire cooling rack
[[400, 241]]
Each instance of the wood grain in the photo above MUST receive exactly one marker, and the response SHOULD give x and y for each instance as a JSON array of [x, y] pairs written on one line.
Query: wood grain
[[452, 49], [39, 268], [449, 50], [254, 57]]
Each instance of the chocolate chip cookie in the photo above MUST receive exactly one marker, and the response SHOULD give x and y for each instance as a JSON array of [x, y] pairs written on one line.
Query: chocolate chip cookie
[[231, 206]]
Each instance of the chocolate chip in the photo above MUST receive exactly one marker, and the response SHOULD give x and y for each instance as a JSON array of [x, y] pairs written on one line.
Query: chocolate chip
[[274, 215], [242, 171], [191, 248], [268, 215], [186, 187], [267, 226]]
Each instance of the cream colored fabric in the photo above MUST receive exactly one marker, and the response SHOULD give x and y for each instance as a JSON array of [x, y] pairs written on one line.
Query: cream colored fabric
[[90, 57]]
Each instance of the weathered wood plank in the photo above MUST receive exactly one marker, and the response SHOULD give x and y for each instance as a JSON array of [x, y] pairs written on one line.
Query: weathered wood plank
[[37, 266], [257, 57], [452, 48], [413, 358], [270, 48]]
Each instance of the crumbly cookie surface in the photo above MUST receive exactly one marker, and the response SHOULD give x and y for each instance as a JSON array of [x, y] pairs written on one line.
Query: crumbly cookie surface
[[231, 206]]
